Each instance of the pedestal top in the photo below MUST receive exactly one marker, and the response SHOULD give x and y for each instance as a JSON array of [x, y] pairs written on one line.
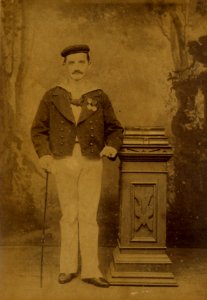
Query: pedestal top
[[145, 144]]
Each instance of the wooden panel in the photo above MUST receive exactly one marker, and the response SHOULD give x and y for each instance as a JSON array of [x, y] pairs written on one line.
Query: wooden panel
[[136, 187], [143, 211]]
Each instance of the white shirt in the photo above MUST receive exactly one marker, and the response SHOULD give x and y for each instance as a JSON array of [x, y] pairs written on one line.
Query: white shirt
[[76, 111]]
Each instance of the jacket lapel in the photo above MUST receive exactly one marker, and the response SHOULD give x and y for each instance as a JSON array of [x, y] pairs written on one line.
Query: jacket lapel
[[86, 110], [61, 99]]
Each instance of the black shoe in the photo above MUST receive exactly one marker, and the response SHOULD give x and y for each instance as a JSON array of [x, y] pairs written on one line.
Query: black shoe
[[101, 282], [64, 278]]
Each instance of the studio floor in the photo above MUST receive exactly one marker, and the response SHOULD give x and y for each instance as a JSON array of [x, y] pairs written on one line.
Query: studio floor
[[20, 277]]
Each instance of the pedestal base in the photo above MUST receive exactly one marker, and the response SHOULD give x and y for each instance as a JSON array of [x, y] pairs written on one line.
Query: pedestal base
[[140, 269]]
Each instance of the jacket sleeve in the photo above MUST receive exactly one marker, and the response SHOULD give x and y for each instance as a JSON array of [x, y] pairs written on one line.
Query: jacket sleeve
[[40, 128], [113, 130]]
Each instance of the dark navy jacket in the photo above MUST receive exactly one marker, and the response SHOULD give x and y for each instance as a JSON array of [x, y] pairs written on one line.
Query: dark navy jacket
[[54, 129]]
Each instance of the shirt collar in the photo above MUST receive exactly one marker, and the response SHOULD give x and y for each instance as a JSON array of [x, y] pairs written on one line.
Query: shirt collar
[[89, 86]]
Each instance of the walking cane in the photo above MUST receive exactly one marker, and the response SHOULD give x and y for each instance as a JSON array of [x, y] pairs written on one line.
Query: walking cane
[[43, 230]]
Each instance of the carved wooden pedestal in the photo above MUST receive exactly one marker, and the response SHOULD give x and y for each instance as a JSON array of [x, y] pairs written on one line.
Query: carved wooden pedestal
[[140, 257]]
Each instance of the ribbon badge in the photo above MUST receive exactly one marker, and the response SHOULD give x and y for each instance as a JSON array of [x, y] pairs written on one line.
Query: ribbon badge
[[91, 104]]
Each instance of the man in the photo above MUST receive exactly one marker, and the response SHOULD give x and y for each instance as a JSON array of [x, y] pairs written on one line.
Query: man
[[74, 128]]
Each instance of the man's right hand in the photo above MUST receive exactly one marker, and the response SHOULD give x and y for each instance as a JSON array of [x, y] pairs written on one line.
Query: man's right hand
[[46, 162]]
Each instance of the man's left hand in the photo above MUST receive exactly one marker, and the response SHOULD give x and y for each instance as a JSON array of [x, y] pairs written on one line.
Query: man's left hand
[[109, 152]]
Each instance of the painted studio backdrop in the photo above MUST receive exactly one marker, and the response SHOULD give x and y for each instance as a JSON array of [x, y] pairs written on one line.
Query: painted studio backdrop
[[151, 59]]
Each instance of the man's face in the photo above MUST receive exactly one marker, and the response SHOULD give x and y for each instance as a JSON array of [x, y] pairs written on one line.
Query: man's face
[[78, 65]]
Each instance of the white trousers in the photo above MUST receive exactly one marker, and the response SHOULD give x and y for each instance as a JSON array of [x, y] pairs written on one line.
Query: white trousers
[[78, 181]]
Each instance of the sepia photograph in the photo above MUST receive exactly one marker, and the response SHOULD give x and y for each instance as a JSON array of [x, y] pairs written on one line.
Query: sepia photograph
[[103, 154]]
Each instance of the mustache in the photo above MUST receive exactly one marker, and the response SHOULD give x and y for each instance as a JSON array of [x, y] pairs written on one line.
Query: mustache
[[77, 72]]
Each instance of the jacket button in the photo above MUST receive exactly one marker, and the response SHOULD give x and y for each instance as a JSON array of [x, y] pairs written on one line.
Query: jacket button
[[92, 127], [91, 144], [92, 135], [92, 150], [62, 143], [90, 122], [62, 136]]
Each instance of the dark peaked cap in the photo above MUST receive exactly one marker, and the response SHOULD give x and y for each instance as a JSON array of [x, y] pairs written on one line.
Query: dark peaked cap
[[75, 49]]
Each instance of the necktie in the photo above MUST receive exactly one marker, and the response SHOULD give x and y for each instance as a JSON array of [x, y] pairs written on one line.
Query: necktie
[[77, 102]]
